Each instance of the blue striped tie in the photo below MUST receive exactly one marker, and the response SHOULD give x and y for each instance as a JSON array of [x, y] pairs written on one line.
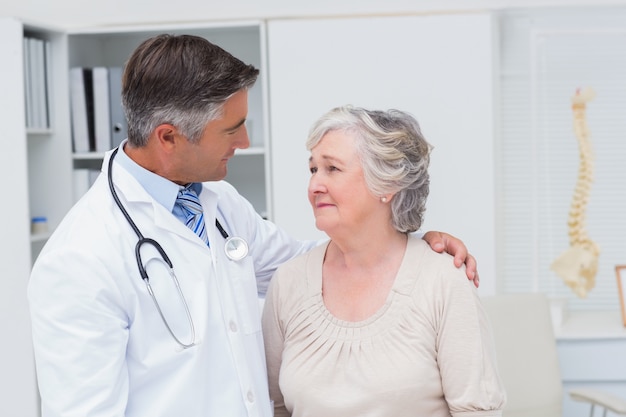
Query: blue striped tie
[[188, 200]]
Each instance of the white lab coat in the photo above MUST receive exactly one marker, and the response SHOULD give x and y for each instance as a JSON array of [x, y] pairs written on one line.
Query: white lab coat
[[100, 345]]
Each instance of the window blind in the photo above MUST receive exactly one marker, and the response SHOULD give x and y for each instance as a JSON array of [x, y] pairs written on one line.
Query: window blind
[[545, 56]]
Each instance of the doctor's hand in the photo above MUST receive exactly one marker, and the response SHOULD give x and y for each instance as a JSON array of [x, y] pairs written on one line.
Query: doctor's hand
[[440, 242]]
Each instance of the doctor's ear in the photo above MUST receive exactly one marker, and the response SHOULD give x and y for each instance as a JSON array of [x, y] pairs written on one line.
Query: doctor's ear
[[166, 134]]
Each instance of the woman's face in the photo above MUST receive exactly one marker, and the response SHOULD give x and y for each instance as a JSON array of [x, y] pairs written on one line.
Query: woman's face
[[338, 194]]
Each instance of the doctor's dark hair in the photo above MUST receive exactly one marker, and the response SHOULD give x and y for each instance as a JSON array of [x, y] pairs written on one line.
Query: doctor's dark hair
[[182, 80], [393, 153]]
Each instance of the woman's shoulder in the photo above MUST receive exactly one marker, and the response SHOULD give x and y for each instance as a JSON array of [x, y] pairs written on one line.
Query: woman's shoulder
[[419, 251], [307, 259], [302, 273], [430, 267]]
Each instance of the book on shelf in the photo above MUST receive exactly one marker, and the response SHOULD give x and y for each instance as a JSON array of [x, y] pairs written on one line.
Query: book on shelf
[[98, 121], [89, 107], [35, 71], [47, 83], [27, 83], [78, 107], [36, 61], [101, 109]]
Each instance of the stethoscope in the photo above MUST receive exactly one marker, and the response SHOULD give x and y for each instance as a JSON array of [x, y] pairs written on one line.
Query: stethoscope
[[236, 248]]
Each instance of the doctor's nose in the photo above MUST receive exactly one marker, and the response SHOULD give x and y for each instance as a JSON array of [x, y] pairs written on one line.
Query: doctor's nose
[[241, 140]]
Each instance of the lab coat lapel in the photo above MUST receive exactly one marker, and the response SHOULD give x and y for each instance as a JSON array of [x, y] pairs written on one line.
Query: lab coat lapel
[[145, 210]]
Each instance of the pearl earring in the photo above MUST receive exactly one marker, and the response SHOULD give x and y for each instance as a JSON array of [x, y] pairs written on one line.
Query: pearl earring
[[383, 199]]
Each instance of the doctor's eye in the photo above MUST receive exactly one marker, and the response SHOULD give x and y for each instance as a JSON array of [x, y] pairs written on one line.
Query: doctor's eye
[[313, 170], [233, 131]]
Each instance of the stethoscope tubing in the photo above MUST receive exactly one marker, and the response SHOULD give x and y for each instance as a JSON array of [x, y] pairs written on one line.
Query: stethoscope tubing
[[235, 249], [141, 240]]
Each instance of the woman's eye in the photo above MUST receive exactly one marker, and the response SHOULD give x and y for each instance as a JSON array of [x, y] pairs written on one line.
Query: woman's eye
[[313, 170]]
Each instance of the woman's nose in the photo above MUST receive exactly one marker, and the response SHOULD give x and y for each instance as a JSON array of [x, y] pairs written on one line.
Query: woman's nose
[[316, 184]]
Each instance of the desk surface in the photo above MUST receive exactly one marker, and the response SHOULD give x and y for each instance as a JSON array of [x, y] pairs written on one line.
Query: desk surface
[[591, 325]]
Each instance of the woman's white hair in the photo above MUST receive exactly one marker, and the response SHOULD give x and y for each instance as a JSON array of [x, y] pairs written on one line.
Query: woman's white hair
[[393, 153]]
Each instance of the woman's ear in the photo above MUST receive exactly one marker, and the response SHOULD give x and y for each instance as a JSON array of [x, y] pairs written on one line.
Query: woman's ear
[[386, 198]]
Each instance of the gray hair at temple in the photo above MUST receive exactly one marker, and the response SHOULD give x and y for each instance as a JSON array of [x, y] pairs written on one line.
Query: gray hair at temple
[[183, 80], [393, 153]]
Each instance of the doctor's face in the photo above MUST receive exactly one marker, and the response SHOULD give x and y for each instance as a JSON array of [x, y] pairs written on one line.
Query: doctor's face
[[207, 159]]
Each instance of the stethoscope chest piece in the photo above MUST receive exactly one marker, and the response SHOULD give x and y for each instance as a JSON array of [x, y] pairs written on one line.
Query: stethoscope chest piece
[[236, 248]]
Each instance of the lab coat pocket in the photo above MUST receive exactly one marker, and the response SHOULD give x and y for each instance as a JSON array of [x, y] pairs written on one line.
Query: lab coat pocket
[[245, 293]]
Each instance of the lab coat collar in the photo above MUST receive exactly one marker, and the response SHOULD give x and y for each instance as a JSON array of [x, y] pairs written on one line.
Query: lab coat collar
[[134, 197]]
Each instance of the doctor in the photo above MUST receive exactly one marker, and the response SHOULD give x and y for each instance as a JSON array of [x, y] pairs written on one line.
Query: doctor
[[139, 305]]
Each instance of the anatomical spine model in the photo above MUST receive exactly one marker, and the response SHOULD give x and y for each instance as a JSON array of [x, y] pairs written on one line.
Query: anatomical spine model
[[578, 265]]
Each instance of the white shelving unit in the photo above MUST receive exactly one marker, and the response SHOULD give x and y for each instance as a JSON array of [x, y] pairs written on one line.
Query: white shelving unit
[[48, 157], [49, 151], [249, 169], [35, 165]]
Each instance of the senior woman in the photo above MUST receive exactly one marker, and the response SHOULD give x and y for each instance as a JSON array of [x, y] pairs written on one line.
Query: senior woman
[[374, 323]]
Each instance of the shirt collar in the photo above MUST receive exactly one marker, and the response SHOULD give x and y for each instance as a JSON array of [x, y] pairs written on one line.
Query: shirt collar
[[161, 189]]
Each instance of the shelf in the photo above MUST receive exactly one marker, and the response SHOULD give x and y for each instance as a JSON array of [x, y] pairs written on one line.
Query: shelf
[[591, 325], [253, 150], [38, 132], [91, 156]]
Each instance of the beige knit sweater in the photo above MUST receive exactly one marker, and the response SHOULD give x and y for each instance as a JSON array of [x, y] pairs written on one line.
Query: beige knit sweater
[[427, 352]]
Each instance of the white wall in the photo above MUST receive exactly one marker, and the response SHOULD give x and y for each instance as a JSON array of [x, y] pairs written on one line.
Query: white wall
[[80, 13], [439, 68]]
